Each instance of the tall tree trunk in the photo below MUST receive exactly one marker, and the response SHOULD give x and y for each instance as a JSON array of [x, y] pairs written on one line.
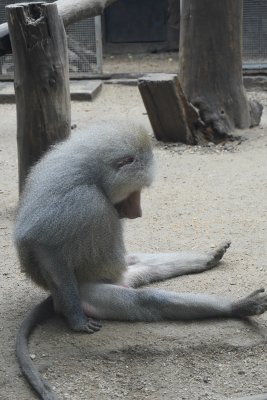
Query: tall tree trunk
[[211, 64]]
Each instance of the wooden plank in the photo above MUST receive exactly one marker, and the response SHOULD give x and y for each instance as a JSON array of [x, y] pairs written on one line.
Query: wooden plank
[[171, 116], [79, 90]]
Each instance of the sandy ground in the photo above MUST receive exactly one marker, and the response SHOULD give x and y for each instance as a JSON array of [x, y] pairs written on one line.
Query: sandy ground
[[200, 197]]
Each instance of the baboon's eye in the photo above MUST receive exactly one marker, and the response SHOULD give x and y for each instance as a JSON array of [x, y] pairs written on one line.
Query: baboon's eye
[[125, 161]]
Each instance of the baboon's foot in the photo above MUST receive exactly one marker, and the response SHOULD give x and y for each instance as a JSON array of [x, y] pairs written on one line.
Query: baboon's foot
[[254, 304], [216, 255]]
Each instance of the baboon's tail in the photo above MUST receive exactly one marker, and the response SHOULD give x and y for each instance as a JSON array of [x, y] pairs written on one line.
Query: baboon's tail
[[39, 314]]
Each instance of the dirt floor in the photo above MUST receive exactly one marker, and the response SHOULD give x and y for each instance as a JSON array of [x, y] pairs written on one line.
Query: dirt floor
[[132, 63], [201, 196]]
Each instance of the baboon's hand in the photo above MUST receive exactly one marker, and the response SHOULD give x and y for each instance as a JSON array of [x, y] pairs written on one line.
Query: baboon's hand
[[254, 304]]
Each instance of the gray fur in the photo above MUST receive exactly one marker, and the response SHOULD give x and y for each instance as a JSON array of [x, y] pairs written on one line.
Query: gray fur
[[69, 237], [68, 203]]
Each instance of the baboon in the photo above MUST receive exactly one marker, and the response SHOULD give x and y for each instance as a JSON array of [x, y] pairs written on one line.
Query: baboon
[[69, 239]]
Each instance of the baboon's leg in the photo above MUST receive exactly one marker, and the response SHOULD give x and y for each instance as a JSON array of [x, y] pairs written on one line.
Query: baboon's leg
[[114, 302], [144, 268]]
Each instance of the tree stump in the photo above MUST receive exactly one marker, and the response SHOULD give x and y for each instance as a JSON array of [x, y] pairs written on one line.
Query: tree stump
[[41, 80], [211, 64]]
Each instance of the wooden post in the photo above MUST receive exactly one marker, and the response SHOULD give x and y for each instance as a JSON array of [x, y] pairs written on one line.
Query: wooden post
[[41, 80]]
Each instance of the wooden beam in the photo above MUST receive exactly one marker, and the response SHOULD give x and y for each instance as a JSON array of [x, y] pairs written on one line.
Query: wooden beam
[[70, 11], [74, 11], [5, 45]]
